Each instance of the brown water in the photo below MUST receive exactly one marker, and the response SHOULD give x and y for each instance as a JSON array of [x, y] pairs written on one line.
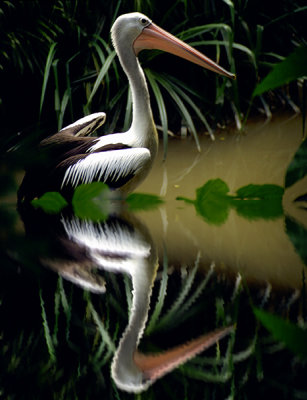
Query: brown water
[[180, 315], [260, 250]]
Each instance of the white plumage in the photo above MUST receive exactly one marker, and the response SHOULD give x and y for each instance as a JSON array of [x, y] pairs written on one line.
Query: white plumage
[[106, 166], [120, 160]]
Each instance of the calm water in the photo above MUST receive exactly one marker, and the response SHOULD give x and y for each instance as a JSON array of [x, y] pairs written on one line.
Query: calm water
[[259, 249], [161, 285]]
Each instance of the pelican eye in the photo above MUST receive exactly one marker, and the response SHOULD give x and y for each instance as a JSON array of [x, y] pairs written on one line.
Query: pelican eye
[[144, 21]]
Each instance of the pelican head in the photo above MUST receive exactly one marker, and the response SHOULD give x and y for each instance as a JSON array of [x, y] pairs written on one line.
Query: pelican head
[[138, 31]]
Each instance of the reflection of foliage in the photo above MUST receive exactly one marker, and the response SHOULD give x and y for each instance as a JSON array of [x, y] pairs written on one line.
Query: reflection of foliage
[[62, 339], [50, 202], [259, 201], [95, 201], [92, 201], [143, 201], [298, 236], [252, 201]]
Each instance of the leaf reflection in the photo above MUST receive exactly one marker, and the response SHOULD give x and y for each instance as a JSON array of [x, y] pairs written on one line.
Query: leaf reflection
[[213, 201]]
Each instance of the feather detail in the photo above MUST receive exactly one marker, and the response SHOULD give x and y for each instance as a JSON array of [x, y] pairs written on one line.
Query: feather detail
[[86, 125], [108, 166]]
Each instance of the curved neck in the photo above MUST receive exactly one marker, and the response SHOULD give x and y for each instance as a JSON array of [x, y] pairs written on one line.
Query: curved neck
[[142, 130], [124, 370]]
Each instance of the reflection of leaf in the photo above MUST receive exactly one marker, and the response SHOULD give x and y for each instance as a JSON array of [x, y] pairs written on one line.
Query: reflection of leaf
[[212, 202], [142, 201], [298, 236], [297, 168], [294, 337], [92, 201], [252, 201], [266, 191], [293, 67], [50, 202], [259, 201], [255, 209]]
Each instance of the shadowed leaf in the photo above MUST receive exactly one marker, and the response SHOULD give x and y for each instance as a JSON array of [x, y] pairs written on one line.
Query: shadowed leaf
[[50, 202], [294, 337], [252, 201], [297, 168], [262, 192], [298, 236], [143, 201], [293, 67], [92, 201], [259, 201]]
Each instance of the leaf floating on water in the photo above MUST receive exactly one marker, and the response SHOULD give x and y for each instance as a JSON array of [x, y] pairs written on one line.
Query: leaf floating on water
[[294, 337], [213, 202], [92, 201], [259, 201], [50, 202], [263, 192], [143, 201]]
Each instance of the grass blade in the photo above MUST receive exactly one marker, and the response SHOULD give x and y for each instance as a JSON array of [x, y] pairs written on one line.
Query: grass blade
[[161, 107], [48, 337], [49, 61], [104, 70], [182, 108], [161, 298]]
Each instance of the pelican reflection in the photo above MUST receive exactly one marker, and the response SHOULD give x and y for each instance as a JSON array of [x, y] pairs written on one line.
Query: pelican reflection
[[122, 244]]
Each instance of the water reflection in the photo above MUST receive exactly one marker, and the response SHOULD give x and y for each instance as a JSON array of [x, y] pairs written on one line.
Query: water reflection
[[121, 244], [259, 249]]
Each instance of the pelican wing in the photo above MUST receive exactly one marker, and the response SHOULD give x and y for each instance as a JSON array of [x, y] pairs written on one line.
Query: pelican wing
[[86, 125], [114, 167]]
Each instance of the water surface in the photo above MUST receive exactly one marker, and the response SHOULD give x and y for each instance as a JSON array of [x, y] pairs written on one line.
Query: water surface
[[259, 249], [162, 287]]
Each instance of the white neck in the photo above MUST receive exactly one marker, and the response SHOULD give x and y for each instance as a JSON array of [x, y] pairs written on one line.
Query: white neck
[[142, 131], [124, 370]]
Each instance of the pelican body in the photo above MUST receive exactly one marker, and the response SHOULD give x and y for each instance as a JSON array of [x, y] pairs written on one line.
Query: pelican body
[[121, 160]]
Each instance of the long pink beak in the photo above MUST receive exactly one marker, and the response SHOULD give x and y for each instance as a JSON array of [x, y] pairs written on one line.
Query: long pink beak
[[154, 366], [153, 37]]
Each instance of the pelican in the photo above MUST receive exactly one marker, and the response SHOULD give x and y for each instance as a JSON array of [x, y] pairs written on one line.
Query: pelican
[[121, 160], [84, 252], [122, 244]]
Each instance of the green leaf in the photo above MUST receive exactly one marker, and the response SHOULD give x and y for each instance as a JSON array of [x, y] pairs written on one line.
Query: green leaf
[[297, 168], [50, 202], [293, 67], [92, 201], [298, 236], [259, 201], [294, 337], [49, 61], [259, 209], [172, 91], [101, 75], [252, 201], [142, 201], [263, 192], [212, 202]]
